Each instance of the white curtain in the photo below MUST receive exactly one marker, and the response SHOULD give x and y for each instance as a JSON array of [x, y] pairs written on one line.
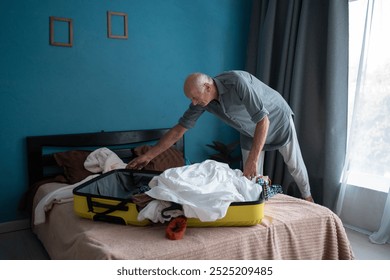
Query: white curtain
[[383, 234], [368, 157]]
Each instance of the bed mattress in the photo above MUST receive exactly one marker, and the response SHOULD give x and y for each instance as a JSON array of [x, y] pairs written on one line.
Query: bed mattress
[[291, 229]]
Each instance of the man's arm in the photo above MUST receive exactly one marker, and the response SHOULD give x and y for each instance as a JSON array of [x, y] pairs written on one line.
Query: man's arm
[[250, 166], [169, 138]]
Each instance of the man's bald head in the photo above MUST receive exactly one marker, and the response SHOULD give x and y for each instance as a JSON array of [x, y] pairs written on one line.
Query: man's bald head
[[200, 89]]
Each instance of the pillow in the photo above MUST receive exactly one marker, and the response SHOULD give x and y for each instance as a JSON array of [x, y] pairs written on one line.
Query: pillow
[[73, 164], [167, 159]]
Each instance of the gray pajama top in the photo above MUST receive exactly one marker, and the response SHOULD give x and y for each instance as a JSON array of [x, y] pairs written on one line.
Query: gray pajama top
[[244, 101]]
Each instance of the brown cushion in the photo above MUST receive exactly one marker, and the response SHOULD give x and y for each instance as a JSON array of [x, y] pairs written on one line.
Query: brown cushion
[[73, 164], [168, 159]]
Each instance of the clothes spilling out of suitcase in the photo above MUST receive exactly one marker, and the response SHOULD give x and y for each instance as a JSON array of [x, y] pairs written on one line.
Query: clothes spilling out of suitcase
[[204, 194]]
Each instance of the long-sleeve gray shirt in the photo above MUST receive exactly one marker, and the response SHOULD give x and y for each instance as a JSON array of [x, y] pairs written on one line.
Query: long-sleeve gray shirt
[[244, 101]]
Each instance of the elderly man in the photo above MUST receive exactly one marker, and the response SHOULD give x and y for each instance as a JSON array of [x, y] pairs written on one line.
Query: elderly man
[[259, 113]]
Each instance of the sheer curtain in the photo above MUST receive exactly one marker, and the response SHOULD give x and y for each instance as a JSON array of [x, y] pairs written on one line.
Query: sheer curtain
[[383, 234], [367, 161]]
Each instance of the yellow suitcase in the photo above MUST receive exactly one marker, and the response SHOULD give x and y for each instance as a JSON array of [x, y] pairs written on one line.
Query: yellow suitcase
[[109, 198], [239, 214]]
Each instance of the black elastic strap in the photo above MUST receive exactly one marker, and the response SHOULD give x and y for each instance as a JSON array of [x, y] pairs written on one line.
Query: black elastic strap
[[174, 206], [121, 206]]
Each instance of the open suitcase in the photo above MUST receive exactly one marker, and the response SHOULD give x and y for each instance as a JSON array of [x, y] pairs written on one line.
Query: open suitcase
[[109, 198]]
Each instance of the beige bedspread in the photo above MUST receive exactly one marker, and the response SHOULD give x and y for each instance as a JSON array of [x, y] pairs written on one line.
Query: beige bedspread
[[291, 229]]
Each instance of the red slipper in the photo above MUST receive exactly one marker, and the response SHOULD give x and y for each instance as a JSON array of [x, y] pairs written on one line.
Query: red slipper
[[176, 228]]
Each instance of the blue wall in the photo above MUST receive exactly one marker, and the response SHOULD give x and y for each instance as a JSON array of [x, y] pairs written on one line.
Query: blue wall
[[108, 84]]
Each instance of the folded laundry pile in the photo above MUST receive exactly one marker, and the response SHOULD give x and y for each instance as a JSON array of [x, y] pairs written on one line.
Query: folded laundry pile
[[204, 190]]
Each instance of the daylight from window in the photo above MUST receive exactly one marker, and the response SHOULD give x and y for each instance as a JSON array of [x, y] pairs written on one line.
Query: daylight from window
[[369, 94]]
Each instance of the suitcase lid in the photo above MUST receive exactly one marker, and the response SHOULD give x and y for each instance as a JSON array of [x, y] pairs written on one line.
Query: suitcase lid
[[118, 184]]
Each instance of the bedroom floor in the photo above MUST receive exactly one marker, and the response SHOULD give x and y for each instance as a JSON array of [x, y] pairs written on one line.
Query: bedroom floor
[[364, 249], [23, 245]]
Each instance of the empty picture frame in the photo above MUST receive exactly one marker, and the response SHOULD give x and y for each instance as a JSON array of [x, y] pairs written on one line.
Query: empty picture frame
[[69, 41], [123, 34]]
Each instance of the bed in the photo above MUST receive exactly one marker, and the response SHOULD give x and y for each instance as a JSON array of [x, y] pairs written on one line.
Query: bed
[[291, 229]]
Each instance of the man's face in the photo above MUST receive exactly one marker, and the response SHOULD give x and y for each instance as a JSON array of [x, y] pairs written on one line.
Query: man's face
[[200, 96]]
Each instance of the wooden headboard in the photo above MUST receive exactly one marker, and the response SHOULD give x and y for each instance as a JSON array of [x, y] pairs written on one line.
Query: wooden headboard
[[121, 142]]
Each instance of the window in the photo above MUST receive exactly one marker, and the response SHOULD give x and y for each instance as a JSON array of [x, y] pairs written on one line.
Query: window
[[368, 156]]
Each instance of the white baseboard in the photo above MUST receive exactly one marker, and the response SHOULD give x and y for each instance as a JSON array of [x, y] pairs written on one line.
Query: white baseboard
[[15, 225]]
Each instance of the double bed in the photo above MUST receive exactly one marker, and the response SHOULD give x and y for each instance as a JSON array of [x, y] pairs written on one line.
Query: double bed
[[291, 229]]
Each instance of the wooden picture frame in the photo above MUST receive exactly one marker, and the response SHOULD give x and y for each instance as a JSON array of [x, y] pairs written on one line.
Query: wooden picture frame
[[52, 32], [109, 25]]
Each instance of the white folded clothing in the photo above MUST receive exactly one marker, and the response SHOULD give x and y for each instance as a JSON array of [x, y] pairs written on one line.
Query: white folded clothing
[[205, 190]]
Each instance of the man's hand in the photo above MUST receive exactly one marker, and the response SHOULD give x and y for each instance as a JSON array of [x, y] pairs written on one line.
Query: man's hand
[[138, 163], [309, 198], [250, 170]]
